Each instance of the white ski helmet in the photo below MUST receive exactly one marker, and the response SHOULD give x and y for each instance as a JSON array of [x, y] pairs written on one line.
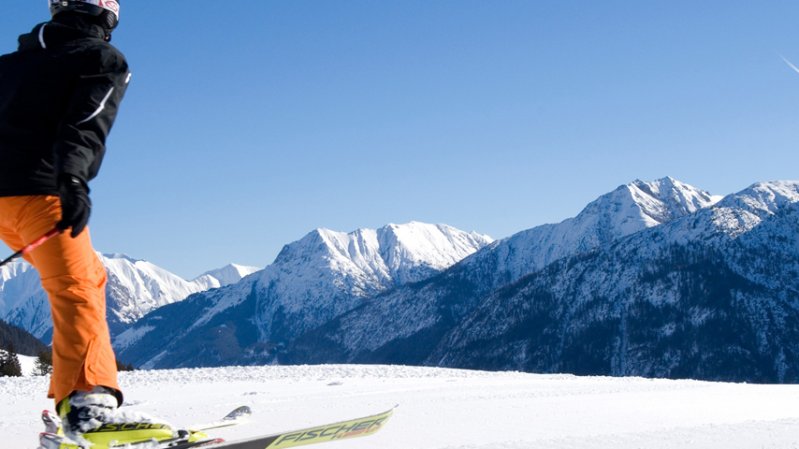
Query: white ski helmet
[[107, 10]]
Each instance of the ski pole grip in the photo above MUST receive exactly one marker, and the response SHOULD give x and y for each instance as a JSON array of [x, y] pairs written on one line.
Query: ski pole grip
[[31, 246], [40, 241]]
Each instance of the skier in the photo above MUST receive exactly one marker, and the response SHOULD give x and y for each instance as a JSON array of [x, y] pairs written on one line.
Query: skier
[[59, 95]]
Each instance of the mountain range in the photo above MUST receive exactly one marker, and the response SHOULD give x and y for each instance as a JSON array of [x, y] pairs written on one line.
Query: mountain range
[[405, 324], [134, 288], [312, 281], [657, 279], [710, 293], [713, 295]]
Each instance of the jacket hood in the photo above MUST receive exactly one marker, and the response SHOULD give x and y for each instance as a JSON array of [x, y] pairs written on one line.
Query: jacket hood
[[56, 33]]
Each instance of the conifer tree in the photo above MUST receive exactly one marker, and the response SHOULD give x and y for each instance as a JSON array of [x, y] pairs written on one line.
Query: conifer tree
[[125, 367], [44, 363], [9, 363]]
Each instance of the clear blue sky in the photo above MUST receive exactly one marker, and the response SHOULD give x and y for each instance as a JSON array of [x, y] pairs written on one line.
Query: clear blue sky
[[248, 124]]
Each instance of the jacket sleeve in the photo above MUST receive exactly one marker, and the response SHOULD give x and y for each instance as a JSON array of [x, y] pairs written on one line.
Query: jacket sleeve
[[80, 144]]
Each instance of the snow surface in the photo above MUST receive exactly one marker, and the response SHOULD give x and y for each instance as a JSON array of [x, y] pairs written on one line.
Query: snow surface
[[449, 409], [27, 363]]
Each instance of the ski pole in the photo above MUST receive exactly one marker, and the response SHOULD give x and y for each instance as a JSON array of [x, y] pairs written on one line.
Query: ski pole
[[32, 245]]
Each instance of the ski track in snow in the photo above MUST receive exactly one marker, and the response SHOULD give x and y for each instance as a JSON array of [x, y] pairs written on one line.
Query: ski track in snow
[[448, 409]]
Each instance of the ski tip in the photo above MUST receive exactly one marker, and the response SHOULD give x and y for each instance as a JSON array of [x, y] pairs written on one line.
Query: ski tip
[[239, 412]]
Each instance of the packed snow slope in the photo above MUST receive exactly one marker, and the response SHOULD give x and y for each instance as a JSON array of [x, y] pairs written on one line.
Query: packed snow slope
[[449, 409]]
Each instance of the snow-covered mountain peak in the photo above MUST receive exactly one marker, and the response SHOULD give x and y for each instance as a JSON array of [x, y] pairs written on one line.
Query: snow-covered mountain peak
[[135, 287], [766, 197], [313, 280], [628, 209], [634, 207], [12, 270], [240, 270], [229, 274], [395, 253], [122, 256], [436, 246], [740, 212], [139, 286], [642, 204], [18, 282], [668, 198]]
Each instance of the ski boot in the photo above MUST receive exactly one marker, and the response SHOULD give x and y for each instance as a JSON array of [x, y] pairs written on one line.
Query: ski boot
[[91, 420]]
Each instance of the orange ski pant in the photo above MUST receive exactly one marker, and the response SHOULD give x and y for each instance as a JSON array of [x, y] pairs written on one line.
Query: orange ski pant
[[74, 279]]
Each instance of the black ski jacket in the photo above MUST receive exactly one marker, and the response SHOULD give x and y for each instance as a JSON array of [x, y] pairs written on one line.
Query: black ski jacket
[[59, 96]]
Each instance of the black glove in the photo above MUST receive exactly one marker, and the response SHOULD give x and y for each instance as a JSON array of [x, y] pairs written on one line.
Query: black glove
[[75, 204]]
